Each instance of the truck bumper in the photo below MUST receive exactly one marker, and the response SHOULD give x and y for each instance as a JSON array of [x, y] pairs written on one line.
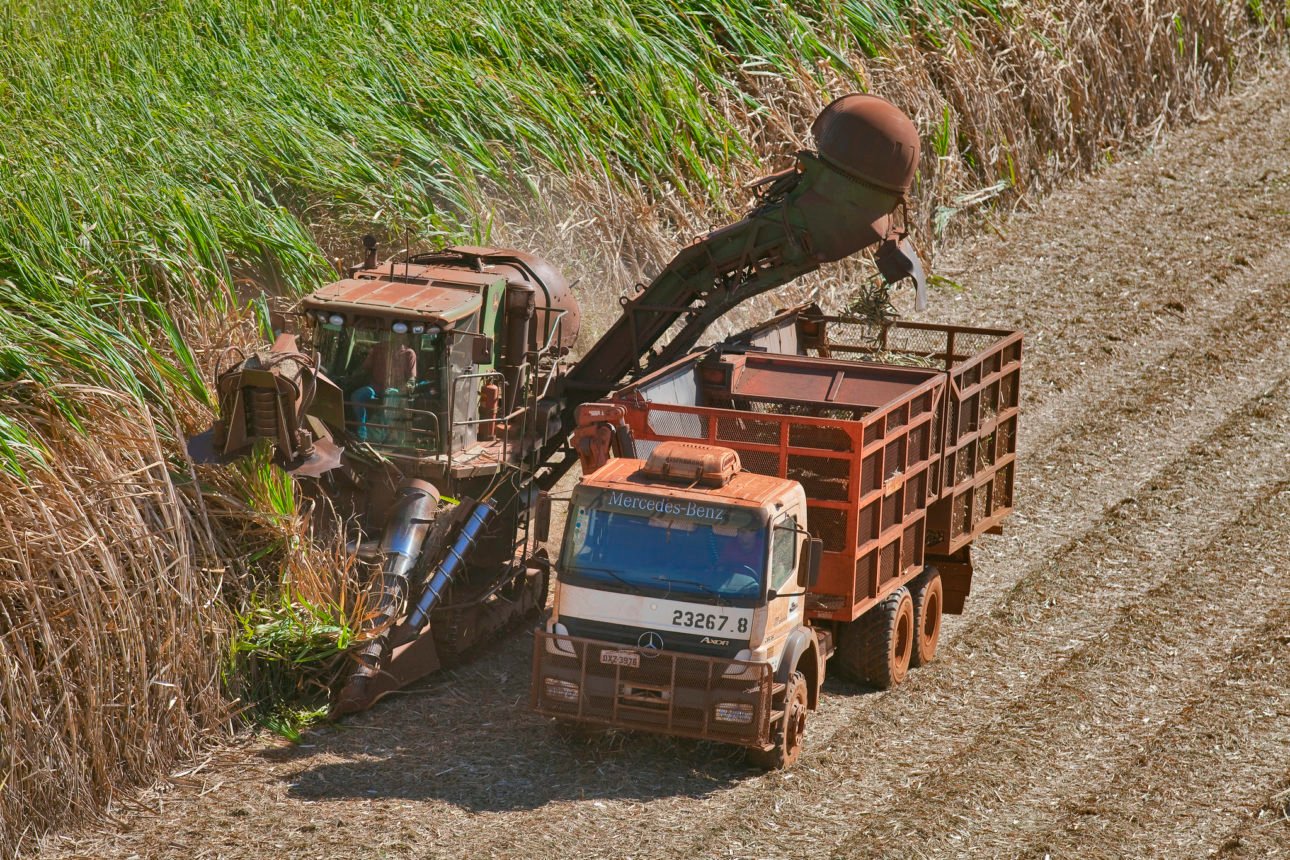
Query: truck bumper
[[709, 698]]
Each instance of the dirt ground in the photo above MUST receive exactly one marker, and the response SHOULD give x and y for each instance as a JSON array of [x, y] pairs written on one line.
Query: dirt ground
[[1118, 687]]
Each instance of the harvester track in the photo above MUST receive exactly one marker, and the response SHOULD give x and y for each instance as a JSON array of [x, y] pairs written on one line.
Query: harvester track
[[1118, 686]]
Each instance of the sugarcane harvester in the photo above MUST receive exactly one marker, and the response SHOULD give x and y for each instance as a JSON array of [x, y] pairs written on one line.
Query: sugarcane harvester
[[430, 400]]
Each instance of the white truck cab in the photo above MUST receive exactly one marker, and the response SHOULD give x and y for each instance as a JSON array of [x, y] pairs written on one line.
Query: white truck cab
[[680, 601]]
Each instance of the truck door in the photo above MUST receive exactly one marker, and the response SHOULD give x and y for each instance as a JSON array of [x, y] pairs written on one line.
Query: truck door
[[783, 614]]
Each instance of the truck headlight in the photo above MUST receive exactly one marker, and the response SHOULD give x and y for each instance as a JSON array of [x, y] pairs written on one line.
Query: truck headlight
[[564, 691], [740, 670], [557, 645], [733, 712]]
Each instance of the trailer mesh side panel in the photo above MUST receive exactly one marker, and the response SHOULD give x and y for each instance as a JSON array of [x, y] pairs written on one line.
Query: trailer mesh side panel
[[924, 472]]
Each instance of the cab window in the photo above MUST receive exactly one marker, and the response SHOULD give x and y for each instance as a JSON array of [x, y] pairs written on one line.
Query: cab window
[[783, 552]]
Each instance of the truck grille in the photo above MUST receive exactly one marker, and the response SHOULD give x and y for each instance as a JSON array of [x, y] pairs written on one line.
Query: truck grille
[[679, 694]]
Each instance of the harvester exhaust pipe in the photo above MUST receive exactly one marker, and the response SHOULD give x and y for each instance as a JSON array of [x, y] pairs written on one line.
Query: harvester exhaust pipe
[[413, 513]]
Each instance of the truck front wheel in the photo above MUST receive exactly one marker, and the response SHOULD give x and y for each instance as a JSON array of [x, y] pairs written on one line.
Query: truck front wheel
[[788, 732]]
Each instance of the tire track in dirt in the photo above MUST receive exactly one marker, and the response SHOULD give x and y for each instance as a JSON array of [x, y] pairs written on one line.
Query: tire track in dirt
[[1265, 833], [1231, 743], [1103, 696], [1148, 780]]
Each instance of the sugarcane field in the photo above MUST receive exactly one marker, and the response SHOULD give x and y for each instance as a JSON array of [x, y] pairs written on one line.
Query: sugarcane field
[[668, 429]]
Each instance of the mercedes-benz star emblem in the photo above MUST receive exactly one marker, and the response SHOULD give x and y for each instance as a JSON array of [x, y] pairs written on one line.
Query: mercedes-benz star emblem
[[650, 641]]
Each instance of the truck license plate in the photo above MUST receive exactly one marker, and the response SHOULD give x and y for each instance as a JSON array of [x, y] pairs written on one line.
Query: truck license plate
[[631, 659]]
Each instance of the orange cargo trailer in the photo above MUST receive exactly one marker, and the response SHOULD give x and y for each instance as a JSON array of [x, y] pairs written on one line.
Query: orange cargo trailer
[[903, 437], [690, 604]]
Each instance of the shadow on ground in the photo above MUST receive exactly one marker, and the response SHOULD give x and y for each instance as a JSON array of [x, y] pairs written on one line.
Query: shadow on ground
[[467, 738]]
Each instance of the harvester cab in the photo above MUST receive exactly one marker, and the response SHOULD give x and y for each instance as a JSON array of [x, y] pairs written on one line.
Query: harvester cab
[[424, 360]]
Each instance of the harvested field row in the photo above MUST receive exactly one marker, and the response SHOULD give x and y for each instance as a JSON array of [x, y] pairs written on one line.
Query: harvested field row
[[1227, 740]]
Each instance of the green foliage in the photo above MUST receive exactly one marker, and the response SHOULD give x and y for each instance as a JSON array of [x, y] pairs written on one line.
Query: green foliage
[[285, 656], [943, 134], [268, 489], [17, 447]]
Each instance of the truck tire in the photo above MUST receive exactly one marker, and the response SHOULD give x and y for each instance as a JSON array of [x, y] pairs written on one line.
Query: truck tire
[[928, 603], [876, 648], [788, 733]]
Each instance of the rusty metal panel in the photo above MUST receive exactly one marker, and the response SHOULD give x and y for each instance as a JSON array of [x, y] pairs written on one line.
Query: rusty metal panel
[[981, 443], [973, 444], [447, 301]]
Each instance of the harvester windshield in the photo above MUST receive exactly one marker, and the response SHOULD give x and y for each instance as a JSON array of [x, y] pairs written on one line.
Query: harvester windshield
[[666, 547], [392, 377]]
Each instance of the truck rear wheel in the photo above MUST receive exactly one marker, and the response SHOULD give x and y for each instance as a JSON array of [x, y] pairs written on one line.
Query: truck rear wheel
[[787, 734], [928, 601], [876, 648]]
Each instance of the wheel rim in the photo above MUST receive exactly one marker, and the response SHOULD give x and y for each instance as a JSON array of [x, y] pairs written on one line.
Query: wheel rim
[[928, 623], [903, 639], [795, 726], [902, 642], [932, 618]]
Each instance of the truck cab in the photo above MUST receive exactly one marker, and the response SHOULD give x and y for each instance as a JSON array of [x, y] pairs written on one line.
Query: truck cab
[[680, 603]]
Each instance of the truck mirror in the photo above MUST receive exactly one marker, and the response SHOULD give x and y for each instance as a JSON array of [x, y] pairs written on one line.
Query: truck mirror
[[483, 353], [808, 571], [542, 517], [626, 444]]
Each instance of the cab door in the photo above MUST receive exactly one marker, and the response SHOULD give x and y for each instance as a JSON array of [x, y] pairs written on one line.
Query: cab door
[[784, 611]]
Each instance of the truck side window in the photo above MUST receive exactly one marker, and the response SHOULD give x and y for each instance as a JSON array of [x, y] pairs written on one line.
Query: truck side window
[[783, 553]]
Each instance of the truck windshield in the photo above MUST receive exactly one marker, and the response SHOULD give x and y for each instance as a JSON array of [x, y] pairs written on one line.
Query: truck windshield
[[664, 547]]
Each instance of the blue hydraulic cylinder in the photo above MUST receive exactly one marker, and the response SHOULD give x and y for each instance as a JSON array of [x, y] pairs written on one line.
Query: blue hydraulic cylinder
[[451, 563]]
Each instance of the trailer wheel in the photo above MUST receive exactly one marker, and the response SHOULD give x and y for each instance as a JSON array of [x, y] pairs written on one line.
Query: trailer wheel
[[928, 603], [876, 648], [788, 733]]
